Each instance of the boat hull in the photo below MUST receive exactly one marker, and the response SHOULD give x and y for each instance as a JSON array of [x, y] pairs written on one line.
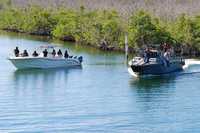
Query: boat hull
[[41, 62], [157, 69]]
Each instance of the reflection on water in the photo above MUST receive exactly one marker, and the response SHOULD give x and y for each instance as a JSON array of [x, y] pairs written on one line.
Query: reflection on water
[[13, 35], [152, 91], [152, 82], [152, 88], [38, 78]]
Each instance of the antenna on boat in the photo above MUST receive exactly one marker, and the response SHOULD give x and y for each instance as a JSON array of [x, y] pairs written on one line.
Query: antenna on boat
[[126, 46]]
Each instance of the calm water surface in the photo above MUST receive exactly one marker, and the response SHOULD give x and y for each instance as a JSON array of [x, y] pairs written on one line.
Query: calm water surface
[[100, 97]]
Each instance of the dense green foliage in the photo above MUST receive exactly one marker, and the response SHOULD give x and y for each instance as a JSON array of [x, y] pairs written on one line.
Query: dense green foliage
[[145, 30], [186, 31], [106, 26], [88, 27], [32, 20]]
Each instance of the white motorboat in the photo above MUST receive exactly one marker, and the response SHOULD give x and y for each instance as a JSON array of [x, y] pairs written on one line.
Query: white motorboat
[[45, 62]]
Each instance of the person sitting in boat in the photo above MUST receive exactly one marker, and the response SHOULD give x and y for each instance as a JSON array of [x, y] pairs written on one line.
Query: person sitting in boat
[[25, 53], [66, 54], [54, 53], [59, 53], [45, 53], [16, 51], [35, 54]]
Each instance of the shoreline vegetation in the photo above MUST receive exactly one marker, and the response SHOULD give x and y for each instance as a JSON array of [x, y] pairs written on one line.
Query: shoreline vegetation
[[104, 29]]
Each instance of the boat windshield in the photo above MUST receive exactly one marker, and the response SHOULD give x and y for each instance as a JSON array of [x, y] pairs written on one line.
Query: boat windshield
[[153, 54]]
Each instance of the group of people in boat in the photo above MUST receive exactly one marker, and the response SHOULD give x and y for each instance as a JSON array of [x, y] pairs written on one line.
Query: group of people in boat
[[17, 53], [45, 53], [165, 51]]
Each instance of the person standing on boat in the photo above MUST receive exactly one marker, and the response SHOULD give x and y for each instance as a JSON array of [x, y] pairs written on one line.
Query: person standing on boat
[[166, 47], [16, 51], [167, 57], [25, 53], [54, 53], [66, 54], [146, 55], [45, 53], [35, 54], [59, 53]]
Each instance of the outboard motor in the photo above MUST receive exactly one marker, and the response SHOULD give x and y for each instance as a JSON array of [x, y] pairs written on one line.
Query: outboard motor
[[80, 58]]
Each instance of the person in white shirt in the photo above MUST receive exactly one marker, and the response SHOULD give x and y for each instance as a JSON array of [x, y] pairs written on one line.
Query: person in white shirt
[[167, 57]]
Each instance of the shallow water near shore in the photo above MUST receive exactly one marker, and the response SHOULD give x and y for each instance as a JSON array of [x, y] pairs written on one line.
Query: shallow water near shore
[[99, 97]]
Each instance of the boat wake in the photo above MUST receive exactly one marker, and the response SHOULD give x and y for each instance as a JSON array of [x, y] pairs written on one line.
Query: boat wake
[[132, 73], [190, 62]]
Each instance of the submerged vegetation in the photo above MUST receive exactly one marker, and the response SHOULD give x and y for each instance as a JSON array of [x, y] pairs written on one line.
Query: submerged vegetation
[[103, 28]]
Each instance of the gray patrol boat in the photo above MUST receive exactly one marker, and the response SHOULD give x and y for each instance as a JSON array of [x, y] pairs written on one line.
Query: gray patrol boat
[[156, 64]]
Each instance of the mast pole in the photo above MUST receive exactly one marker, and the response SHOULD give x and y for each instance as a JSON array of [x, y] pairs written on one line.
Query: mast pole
[[126, 46]]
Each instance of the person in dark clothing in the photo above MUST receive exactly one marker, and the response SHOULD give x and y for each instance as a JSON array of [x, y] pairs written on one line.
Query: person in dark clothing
[[59, 53], [35, 54], [166, 46], [54, 52], [16, 52], [66, 54], [45, 53], [147, 55], [25, 53]]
